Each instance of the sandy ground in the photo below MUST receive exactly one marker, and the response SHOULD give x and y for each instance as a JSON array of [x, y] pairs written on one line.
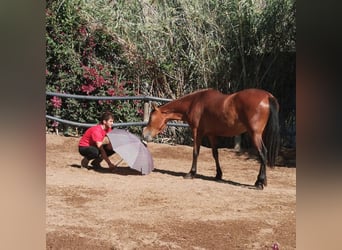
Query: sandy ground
[[88, 209]]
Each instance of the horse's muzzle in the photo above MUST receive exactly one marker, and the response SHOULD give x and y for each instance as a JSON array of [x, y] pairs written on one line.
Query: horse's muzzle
[[147, 135]]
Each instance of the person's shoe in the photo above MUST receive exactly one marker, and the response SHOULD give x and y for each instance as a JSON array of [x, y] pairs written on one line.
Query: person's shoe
[[96, 162], [84, 162]]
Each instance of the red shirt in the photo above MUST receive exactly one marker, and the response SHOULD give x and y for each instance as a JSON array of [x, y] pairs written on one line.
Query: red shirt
[[92, 135]]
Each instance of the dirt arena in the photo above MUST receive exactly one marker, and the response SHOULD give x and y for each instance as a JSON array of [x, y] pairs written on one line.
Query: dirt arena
[[88, 209]]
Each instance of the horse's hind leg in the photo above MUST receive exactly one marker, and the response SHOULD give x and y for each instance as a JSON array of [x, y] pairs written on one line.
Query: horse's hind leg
[[213, 144], [262, 177], [262, 151]]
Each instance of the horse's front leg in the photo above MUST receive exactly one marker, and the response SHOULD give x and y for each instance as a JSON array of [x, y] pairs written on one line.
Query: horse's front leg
[[195, 153]]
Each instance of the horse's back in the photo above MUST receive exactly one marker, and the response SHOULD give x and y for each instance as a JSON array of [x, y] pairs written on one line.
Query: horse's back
[[209, 97], [206, 99], [247, 99], [250, 95], [206, 94], [247, 95], [214, 101], [251, 100]]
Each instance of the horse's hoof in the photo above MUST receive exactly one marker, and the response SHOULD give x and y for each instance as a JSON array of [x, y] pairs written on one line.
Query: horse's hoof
[[189, 176], [218, 177], [259, 186]]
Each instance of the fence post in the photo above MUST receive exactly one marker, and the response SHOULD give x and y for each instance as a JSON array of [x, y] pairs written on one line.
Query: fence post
[[146, 111]]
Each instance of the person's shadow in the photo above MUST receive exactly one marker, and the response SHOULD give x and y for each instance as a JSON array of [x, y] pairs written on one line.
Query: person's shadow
[[118, 170]]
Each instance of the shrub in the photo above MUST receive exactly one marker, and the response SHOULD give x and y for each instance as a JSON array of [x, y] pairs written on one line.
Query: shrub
[[87, 60]]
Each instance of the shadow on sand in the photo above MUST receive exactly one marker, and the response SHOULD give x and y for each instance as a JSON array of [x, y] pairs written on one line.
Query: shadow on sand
[[206, 178], [118, 170], [129, 171]]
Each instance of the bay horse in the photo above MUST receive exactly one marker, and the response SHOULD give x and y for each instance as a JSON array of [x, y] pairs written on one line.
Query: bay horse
[[211, 113]]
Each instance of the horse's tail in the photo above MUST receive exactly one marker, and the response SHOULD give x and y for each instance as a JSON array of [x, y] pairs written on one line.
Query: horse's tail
[[272, 133]]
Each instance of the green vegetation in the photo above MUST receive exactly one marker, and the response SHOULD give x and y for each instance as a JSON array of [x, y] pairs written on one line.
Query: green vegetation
[[167, 49]]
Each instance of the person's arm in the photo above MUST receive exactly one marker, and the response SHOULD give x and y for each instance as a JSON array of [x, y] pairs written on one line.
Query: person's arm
[[104, 154]]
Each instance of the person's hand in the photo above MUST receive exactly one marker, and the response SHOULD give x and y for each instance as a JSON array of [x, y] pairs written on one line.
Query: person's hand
[[111, 166]]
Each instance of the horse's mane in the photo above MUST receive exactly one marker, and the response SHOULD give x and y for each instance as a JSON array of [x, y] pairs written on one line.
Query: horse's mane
[[186, 97], [194, 93]]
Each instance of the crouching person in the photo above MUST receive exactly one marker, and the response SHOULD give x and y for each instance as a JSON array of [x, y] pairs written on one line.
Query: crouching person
[[94, 144]]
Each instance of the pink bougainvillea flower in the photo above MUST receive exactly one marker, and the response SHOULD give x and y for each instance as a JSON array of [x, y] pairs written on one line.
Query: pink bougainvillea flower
[[87, 88], [83, 31], [90, 72], [111, 92], [93, 72], [86, 73], [100, 81], [140, 112], [91, 42], [55, 124], [56, 102], [100, 67]]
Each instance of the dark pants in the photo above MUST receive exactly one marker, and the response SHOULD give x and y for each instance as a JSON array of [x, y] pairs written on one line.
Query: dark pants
[[92, 152]]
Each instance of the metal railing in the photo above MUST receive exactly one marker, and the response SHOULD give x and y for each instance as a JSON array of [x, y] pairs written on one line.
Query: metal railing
[[122, 124]]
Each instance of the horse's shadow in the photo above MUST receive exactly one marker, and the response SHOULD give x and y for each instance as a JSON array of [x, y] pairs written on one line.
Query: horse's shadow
[[129, 171], [206, 178], [118, 170]]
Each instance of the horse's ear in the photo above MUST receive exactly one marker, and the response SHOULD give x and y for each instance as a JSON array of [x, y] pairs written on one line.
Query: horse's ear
[[154, 106]]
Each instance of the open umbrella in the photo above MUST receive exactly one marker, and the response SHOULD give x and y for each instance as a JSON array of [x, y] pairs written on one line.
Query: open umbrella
[[132, 150]]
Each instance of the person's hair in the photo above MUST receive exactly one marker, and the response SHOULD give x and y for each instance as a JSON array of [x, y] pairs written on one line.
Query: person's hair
[[106, 116]]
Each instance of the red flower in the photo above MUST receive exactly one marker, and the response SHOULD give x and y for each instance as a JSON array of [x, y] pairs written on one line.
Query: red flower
[[87, 88], [93, 72], [100, 81], [100, 66], [56, 102], [89, 72], [140, 112], [55, 124], [83, 31], [111, 92]]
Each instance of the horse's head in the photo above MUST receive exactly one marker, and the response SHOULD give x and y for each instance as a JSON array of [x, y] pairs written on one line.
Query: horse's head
[[156, 123]]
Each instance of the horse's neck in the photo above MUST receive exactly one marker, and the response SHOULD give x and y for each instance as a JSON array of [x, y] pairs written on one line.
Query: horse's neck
[[174, 110]]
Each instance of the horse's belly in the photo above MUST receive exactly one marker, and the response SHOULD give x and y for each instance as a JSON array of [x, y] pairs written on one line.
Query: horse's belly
[[223, 129]]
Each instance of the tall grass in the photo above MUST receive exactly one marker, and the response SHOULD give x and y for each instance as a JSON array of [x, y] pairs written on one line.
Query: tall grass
[[171, 48], [193, 44]]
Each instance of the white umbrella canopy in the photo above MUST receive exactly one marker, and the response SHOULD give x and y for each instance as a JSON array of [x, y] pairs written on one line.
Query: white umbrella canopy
[[132, 150]]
